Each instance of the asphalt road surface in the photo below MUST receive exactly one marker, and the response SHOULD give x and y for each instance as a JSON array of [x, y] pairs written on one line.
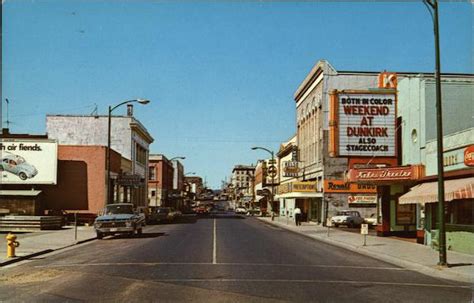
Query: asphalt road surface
[[221, 258]]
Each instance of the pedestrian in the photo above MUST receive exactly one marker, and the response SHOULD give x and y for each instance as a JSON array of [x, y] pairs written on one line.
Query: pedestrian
[[297, 213]]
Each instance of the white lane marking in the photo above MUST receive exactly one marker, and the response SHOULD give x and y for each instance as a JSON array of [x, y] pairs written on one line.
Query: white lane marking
[[224, 264], [314, 281], [214, 246]]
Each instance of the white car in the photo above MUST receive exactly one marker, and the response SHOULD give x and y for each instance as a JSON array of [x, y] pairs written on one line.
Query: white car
[[241, 210], [350, 218]]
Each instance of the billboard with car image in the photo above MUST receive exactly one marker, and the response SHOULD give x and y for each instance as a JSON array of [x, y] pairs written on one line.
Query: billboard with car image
[[28, 161]]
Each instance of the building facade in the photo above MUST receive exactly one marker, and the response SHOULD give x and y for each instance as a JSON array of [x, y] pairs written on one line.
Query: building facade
[[419, 137], [128, 137], [312, 100], [242, 181], [160, 180]]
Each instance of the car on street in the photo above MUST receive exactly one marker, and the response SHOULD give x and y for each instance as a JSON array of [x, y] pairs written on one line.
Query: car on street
[[350, 218], [18, 166], [163, 214], [119, 218], [202, 210], [254, 212], [241, 210]]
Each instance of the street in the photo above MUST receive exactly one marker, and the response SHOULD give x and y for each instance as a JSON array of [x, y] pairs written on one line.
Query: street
[[220, 258]]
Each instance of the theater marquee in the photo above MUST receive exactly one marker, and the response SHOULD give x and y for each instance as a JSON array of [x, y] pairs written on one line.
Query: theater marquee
[[363, 123]]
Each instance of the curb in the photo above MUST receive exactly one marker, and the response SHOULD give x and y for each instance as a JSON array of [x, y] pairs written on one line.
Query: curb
[[435, 272], [42, 252]]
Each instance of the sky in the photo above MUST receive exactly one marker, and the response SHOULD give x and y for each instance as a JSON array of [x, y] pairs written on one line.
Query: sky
[[220, 75]]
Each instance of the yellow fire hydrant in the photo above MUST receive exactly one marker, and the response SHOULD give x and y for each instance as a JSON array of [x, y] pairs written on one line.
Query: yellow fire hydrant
[[12, 244]]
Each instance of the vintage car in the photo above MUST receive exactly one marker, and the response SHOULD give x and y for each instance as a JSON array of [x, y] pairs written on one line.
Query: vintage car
[[350, 218], [17, 165], [163, 215], [119, 218]]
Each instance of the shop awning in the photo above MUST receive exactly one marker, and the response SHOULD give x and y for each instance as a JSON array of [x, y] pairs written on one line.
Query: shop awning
[[428, 192], [27, 193], [299, 195]]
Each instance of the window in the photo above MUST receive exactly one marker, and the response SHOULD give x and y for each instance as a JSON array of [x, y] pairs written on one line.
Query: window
[[463, 212], [152, 175], [153, 193], [140, 154]]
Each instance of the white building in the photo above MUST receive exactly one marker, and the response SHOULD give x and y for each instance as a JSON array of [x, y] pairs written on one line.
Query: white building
[[128, 137]]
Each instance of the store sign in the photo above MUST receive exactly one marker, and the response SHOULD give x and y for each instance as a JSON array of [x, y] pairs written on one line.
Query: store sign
[[290, 169], [366, 124], [362, 199], [339, 186], [388, 80], [399, 173], [130, 180], [28, 161], [469, 156], [302, 187]]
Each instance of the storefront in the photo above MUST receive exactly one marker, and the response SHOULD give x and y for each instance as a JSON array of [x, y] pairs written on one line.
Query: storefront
[[393, 218], [304, 195], [459, 216], [358, 197]]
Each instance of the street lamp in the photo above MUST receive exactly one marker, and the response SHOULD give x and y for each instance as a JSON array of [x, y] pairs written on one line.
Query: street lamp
[[191, 173], [432, 6], [111, 109], [272, 175]]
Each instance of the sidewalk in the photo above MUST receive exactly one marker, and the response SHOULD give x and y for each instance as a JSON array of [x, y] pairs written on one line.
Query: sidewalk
[[417, 257], [41, 242]]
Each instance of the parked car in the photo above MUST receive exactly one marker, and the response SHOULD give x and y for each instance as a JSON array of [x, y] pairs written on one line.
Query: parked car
[[163, 214], [350, 218], [241, 210], [119, 218], [202, 210], [372, 220], [254, 212], [18, 166]]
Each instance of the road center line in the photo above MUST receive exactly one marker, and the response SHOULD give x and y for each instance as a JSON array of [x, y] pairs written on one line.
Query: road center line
[[214, 245]]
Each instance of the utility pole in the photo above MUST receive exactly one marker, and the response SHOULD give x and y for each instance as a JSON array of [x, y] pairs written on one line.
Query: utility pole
[[433, 8]]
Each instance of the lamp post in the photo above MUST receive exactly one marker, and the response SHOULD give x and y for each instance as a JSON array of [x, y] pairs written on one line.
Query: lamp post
[[432, 6], [111, 109], [272, 175]]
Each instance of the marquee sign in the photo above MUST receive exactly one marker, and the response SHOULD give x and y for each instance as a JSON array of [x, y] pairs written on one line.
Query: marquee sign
[[366, 124], [392, 174]]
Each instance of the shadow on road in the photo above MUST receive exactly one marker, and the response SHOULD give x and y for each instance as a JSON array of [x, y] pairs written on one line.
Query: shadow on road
[[141, 236]]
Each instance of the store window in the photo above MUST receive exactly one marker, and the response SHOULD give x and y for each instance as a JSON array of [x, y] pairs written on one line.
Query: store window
[[462, 212]]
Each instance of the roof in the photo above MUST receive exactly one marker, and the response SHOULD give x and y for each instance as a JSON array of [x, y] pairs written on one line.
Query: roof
[[323, 66]]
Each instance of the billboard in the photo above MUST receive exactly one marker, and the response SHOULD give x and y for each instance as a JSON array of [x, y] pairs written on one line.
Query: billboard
[[367, 124], [28, 161]]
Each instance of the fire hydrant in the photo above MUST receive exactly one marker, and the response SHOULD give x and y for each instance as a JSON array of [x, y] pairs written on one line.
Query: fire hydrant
[[12, 244]]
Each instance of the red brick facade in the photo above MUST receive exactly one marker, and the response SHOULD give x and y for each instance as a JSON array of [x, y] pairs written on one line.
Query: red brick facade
[[81, 179]]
